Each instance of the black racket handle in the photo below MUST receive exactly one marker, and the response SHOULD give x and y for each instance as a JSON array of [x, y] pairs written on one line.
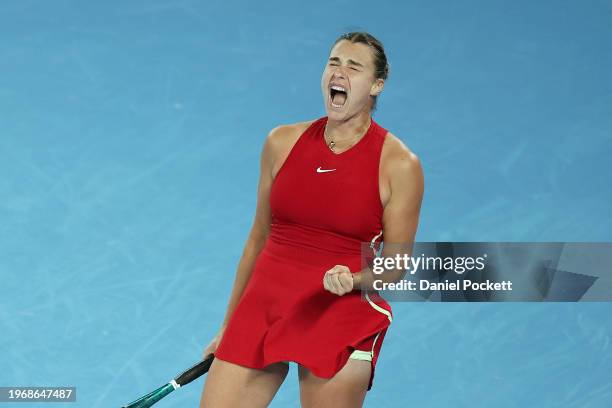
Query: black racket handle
[[196, 371]]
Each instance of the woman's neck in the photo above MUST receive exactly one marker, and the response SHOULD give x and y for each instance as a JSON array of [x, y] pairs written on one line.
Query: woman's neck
[[349, 129]]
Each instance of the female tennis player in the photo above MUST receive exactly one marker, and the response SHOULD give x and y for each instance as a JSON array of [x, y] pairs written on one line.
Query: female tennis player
[[326, 186]]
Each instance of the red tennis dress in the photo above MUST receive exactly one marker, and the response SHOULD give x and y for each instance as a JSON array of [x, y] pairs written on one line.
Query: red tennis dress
[[325, 208]]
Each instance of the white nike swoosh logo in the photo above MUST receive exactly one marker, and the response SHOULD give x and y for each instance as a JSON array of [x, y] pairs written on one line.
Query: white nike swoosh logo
[[320, 170]]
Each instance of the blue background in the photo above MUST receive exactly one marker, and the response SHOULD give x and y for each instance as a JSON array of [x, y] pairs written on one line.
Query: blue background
[[130, 134]]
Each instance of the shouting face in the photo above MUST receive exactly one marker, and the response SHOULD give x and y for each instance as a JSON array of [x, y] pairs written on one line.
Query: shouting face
[[348, 81]]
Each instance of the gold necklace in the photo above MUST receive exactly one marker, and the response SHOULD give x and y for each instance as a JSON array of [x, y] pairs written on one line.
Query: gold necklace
[[331, 144]]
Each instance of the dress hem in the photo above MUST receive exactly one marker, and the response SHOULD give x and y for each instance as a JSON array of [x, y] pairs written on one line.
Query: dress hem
[[327, 374]]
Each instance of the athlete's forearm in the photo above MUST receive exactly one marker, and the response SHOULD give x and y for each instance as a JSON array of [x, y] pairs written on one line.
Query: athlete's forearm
[[364, 279], [251, 250]]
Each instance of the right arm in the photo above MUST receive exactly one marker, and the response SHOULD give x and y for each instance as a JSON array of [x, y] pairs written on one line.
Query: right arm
[[261, 224]]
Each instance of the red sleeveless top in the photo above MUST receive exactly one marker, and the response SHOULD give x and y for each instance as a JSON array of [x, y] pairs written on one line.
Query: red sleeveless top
[[321, 199]]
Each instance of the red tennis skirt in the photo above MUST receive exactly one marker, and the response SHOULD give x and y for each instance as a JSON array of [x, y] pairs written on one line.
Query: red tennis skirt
[[285, 314]]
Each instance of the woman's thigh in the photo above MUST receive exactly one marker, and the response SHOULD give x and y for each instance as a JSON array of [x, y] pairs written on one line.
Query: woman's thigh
[[230, 385], [347, 389]]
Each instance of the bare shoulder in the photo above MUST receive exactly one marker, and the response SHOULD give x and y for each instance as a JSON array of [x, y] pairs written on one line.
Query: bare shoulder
[[287, 133], [280, 141], [398, 161]]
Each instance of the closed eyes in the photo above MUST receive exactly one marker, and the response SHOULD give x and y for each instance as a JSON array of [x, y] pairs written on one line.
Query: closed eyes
[[352, 68]]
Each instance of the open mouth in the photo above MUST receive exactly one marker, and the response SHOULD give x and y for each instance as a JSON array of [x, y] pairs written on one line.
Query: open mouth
[[338, 96]]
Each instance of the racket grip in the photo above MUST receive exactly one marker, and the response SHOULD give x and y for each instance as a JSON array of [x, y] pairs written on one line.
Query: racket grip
[[196, 371]]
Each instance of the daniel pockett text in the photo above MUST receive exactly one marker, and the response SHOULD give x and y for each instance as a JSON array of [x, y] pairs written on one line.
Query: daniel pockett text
[[458, 265]]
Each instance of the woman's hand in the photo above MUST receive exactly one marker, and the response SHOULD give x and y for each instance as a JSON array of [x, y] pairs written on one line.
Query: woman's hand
[[338, 280], [214, 343]]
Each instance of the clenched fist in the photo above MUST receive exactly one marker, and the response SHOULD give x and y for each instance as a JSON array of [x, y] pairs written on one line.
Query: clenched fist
[[338, 280]]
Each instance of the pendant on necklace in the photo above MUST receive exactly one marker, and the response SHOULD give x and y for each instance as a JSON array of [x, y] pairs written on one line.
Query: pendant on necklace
[[332, 144]]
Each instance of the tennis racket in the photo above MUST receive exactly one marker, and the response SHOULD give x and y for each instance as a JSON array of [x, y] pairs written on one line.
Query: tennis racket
[[182, 379]]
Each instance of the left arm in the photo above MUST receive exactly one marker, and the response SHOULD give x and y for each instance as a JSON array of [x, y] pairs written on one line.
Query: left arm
[[400, 217], [400, 222]]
